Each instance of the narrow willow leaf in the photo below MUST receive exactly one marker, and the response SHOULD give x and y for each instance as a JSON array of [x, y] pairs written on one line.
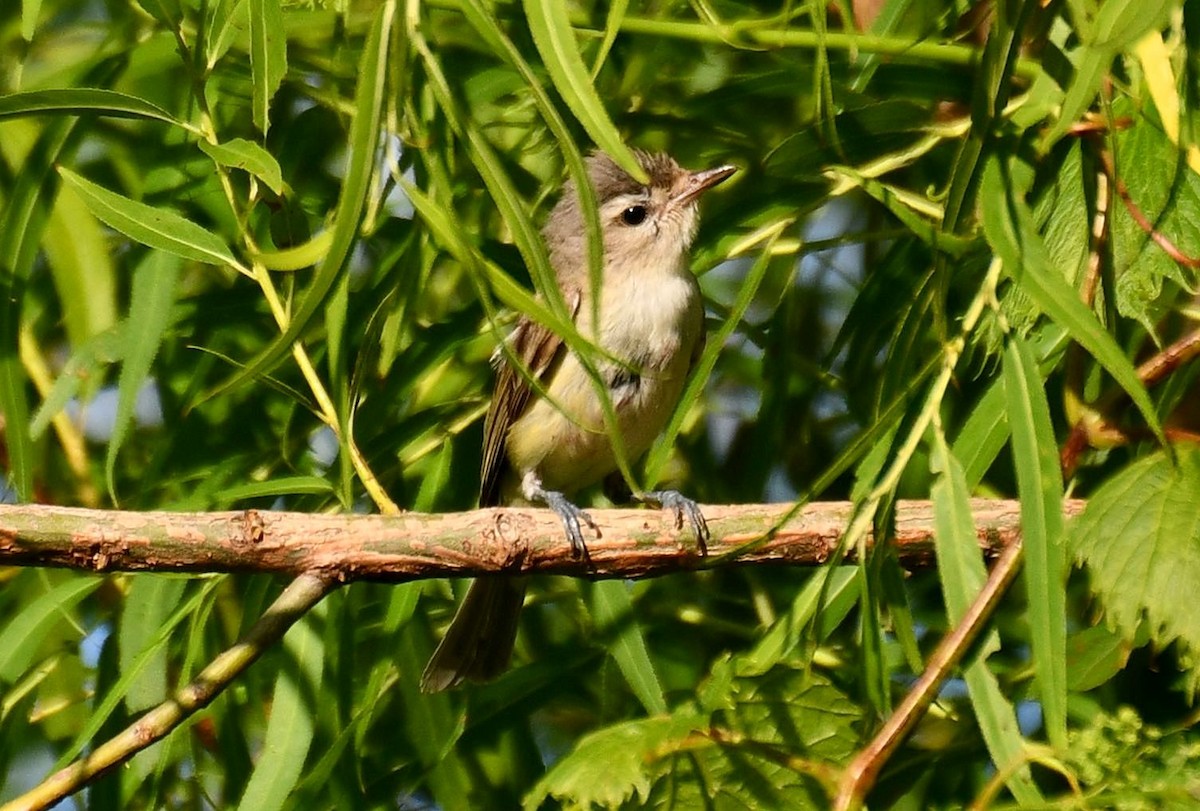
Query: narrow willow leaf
[[22, 225], [1140, 540], [787, 632], [155, 228], [23, 635], [364, 148], [962, 572], [297, 257], [81, 101], [154, 284], [227, 20], [29, 17], [87, 363], [1039, 484], [293, 718], [81, 263], [613, 610], [268, 57], [248, 156], [273, 488], [151, 601], [116, 693], [555, 40], [1009, 227], [612, 26]]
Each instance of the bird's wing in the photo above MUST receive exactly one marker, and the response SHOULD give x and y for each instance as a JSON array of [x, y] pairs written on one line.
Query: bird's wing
[[538, 350]]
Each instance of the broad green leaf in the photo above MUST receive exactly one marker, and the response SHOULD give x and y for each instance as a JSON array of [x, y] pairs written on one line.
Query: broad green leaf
[[1039, 484], [155, 228], [555, 40], [611, 766], [1139, 537], [1117, 26], [613, 609], [1167, 192], [1095, 655], [1008, 224], [22, 636], [293, 714], [154, 284], [150, 602], [962, 572], [248, 156], [82, 101], [268, 57]]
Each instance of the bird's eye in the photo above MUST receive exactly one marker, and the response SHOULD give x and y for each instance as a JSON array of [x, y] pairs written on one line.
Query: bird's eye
[[634, 215]]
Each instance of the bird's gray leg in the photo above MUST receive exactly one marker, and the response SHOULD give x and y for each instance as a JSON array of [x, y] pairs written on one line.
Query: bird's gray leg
[[571, 516], [683, 507]]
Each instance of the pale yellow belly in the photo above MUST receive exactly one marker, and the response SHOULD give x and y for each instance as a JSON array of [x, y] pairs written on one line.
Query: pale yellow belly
[[566, 442]]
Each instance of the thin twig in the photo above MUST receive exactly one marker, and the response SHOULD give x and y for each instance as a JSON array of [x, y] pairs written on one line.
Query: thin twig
[[301, 595], [860, 775]]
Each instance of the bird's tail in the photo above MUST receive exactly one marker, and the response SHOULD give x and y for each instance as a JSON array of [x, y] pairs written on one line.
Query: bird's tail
[[479, 641]]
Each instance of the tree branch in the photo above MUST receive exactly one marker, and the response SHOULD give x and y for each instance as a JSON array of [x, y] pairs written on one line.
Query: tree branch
[[411, 546]]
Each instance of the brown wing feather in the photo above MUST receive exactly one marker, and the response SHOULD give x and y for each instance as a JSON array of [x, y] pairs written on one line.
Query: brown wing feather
[[537, 348]]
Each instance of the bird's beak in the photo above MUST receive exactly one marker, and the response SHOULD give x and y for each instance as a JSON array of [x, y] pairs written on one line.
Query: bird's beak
[[699, 182]]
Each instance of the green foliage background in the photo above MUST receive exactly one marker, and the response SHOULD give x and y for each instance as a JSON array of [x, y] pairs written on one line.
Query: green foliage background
[[189, 188]]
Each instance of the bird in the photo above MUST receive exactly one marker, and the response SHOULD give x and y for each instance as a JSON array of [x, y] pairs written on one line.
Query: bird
[[540, 448]]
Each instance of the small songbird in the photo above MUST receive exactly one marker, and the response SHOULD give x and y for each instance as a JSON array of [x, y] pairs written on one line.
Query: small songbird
[[538, 450]]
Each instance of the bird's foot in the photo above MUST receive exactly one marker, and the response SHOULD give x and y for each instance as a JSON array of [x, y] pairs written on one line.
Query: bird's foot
[[572, 517], [683, 507]]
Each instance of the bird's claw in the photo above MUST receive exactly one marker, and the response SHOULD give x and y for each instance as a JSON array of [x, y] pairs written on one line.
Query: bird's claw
[[683, 507], [571, 517]]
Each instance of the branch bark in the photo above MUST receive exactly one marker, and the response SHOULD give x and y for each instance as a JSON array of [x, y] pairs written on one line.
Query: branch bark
[[411, 546]]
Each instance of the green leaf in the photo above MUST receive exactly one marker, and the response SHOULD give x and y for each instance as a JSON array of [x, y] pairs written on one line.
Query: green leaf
[[963, 574], [21, 229], [1040, 487], [283, 486], [86, 364], [29, 17], [149, 603], [555, 40], [1118, 25], [268, 57], [1095, 655], [248, 156], [1139, 537], [293, 714], [81, 263], [81, 101], [155, 228], [612, 765], [193, 609], [1167, 192], [364, 146], [1008, 224], [23, 635], [614, 610], [154, 283]]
